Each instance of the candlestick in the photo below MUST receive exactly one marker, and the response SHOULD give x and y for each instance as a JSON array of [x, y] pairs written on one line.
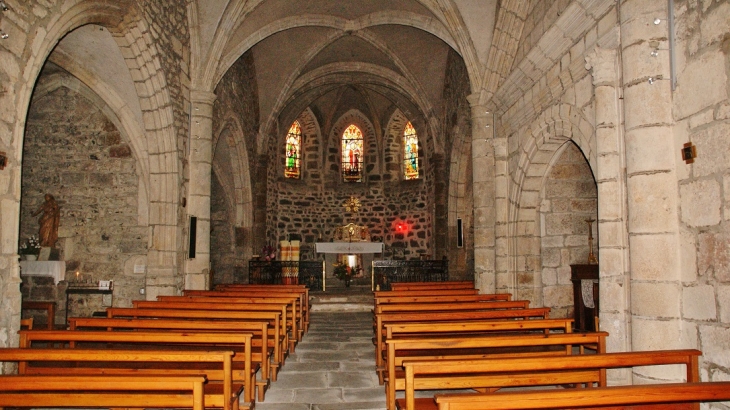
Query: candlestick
[[592, 259]]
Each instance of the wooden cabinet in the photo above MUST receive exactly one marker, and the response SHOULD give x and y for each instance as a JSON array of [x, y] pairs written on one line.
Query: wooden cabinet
[[584, 315]]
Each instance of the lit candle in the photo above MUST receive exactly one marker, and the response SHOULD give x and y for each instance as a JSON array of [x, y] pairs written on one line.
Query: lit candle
[[77, 276]]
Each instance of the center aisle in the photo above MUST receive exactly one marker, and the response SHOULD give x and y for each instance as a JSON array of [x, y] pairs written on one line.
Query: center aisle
[[333, 367]]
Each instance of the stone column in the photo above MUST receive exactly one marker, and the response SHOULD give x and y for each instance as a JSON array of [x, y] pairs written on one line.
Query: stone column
[[652, 187], [198, 201], [482, 154], [610, 176]]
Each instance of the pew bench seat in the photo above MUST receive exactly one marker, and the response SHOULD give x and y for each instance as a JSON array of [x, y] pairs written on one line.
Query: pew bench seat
[[54, 391]]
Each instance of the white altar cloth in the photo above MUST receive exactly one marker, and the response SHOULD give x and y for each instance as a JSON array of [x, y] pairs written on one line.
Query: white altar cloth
[[349, 247], [55, 269]]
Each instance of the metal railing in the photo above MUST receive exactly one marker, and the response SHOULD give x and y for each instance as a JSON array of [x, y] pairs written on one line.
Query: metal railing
[[386, 272], [309, 273]]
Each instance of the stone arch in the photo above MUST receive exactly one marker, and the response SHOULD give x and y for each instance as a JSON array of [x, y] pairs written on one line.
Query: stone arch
[[392, 150], [542, 142], [370, 143], [238, 190], [312, 146], [109, 103], [24, 57]]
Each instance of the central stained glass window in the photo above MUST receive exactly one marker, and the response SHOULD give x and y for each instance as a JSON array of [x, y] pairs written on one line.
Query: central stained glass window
[[352, 159]]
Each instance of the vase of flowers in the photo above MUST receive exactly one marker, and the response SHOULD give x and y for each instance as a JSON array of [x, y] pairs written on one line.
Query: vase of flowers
[[345, 272], [30, 248], [268, 252]]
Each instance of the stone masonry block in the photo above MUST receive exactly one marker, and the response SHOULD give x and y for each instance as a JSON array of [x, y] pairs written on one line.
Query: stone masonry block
[[723, 300], [715, 25], [654, 334], [648, 150], [696, 303], [698, 84], [612, 297], [646, 104], [652, 299], [701, 203], [688, 255], [713, 257], [652, 203], [653, 257], [715, 342], [713, 147]]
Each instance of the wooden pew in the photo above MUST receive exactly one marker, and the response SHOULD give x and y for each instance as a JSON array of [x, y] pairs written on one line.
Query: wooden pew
[[425, 292], [449, 306], [289, 324], [398, 286], [277, 336], [243, 372], [302, 290], [53, 391], [459, 348], [466, 329], [302, 304], [670, 396], [395, 298], [261, 351], [437, 317], [582, 370], [101, 362], [49, 307], [292, 305]]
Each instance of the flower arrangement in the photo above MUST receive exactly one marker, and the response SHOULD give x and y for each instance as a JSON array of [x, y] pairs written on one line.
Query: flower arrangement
[[345, 272], [31, 246], [268, 252]]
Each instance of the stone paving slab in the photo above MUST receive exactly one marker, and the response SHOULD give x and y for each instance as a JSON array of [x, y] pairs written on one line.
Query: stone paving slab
[[333, 367]]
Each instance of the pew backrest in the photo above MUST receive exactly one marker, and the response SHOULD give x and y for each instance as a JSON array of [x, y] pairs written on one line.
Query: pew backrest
[[531, 371], [670, 396]]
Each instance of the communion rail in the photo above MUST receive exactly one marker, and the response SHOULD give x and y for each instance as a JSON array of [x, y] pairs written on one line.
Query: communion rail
[[309, 273]]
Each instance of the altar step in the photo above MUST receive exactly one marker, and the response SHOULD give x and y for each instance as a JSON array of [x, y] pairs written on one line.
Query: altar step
[[352, 299]]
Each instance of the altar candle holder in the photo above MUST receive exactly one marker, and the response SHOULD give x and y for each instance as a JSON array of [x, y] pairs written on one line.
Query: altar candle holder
[[592, 259]]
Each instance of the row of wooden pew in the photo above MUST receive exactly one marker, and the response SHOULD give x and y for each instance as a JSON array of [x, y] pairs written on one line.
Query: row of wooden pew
[[209, 349], [442, 336]]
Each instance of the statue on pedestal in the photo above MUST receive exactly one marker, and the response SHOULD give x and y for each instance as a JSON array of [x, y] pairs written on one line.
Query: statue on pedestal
[[48, 229]]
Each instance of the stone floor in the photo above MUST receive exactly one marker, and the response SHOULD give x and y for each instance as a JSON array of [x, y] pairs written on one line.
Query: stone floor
[[333, 366]]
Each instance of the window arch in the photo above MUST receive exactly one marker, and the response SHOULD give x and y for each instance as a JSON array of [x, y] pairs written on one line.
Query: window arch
[[293, 151], [410, 152], [352, 149]]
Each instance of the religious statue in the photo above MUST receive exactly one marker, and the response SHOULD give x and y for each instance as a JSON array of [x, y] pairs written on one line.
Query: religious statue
[[48, 230]]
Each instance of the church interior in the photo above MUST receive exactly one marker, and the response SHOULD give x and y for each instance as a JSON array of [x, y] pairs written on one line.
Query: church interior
[[157, 146]]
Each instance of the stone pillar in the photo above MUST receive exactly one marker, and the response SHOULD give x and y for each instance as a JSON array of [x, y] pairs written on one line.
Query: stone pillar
[[198, 201], [612, 217], [652, 187], [482, 154]]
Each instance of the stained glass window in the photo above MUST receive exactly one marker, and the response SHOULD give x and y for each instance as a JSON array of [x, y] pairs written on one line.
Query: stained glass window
[[410, 152], [352, 149], [293, 151]]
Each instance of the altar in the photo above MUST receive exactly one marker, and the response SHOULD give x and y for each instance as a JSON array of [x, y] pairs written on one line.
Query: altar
[[54, 269], [351, 246], [348, 247]]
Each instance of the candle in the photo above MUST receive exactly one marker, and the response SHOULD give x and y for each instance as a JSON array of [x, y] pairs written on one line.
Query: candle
[[77, 276]]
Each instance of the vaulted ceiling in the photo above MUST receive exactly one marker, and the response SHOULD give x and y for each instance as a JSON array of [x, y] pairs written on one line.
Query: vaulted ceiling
[[330, 53]]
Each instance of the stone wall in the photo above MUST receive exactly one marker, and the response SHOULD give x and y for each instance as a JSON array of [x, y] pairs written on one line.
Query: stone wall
[[453, 175], [313, 207], [74, 152], [702, 113], [569, 199], [236, 122]]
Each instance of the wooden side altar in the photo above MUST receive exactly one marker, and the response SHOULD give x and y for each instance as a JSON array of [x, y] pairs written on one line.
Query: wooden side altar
[[585, 297]]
